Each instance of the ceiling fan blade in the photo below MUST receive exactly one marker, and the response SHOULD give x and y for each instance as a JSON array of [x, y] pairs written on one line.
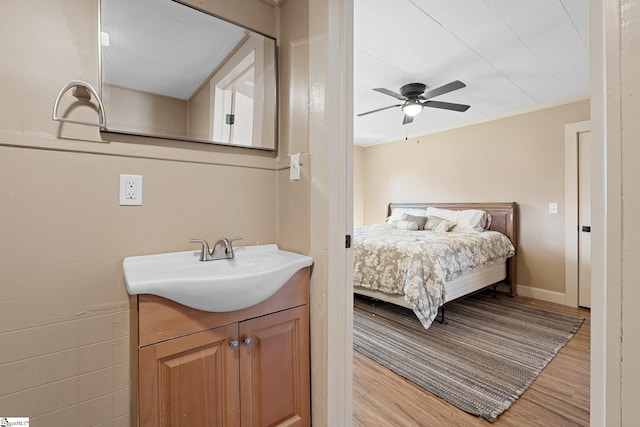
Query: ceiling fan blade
[[379, 109], [449, 87], [446, 105], [407, 119], [390, 93]]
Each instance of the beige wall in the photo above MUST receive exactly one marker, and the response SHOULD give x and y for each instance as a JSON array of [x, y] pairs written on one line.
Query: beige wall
[[518, 158], [144, 112], [64, 328], [293, 196], [358, 185], [199, 114]]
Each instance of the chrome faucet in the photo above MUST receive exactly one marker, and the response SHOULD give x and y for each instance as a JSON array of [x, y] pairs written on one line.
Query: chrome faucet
[[223, 249]]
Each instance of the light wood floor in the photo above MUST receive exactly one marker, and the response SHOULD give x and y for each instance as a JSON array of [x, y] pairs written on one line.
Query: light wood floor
[[558, 397]]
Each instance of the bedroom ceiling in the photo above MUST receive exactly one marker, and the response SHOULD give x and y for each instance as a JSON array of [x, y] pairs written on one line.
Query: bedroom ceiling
[[514, 56]]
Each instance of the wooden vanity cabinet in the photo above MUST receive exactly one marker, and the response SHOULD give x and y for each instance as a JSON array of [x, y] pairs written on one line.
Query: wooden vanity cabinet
[[191, 373], [274, 370], [191, 380]]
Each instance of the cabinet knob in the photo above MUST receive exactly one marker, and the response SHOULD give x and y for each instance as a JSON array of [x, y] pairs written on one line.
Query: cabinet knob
[[234, 344], [247, 341]]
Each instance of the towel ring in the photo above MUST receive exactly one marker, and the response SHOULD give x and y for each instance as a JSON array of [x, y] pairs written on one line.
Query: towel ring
[[82, 90]]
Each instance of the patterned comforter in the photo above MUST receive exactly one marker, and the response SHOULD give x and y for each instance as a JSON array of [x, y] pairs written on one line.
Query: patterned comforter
[[417, 264]]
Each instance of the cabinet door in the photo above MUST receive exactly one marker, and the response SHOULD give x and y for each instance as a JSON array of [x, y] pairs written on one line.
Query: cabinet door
[[190, 381], [274, 369]]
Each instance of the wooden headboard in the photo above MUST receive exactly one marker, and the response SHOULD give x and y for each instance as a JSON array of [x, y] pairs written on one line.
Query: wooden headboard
[[503, 219]]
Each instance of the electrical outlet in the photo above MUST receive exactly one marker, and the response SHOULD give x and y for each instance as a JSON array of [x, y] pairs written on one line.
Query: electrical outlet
[[553, 208], [130, 190]]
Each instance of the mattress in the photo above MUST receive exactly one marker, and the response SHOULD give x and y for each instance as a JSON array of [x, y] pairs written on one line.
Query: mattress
[[468, 283]]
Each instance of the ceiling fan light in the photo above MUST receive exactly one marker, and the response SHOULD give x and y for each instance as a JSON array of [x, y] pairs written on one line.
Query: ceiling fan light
[[412, 108]]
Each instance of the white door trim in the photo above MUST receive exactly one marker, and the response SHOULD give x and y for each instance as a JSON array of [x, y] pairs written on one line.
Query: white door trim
[[571, 135], [606, 191], [331, 208]]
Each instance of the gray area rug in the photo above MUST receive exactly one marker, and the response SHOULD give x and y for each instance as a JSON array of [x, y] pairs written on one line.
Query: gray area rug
[[485, 356]]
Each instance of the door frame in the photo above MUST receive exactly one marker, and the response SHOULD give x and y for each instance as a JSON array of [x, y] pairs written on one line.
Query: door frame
[[572, 132], [330, 131]]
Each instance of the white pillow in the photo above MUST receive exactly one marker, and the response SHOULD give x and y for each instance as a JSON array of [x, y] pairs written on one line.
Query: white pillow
[[396, 213], [443, 213], [466, 220], [473, 219]]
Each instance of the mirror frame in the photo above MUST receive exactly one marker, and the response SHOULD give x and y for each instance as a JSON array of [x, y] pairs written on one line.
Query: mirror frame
[[275, 101]]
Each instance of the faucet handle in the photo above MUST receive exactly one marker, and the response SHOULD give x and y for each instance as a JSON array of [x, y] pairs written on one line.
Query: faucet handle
[[202, 241], [229, 249], [204, 253]]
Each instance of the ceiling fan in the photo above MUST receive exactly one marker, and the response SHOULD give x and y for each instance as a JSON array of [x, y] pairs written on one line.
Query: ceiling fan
[[415, 99]]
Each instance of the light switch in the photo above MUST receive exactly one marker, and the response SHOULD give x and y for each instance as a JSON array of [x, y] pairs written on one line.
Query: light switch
[[553, 208]]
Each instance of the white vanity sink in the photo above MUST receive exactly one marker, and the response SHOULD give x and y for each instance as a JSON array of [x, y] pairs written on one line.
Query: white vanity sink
[[255, 274]]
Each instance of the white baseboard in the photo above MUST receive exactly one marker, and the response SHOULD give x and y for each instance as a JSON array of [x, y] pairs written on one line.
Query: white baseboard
[[541, 294]]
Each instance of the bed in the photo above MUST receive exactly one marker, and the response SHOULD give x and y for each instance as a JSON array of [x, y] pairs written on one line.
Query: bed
[[408, 268]]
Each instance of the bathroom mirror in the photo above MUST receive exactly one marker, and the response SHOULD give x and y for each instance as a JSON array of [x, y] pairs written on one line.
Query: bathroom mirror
[[173, 71]]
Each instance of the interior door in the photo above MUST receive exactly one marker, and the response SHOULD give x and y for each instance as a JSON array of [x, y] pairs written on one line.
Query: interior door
[[242, 129], [584, 219]]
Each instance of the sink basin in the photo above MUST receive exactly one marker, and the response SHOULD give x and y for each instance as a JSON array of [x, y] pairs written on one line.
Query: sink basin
[[256, 273]]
